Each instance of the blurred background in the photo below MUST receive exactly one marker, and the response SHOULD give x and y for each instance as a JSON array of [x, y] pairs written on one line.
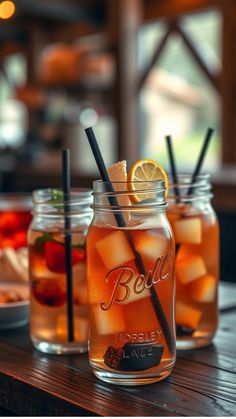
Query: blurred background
[[135, 70]]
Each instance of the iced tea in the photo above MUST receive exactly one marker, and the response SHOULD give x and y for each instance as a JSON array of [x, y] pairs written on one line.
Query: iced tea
[[196, 233], [130, 272]]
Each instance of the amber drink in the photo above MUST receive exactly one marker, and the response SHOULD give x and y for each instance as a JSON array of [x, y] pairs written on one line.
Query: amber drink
[[130, 267], [196, 232], [47, 256]]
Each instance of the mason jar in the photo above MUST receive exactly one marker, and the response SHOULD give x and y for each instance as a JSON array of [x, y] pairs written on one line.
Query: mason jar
[[130, 272], [196, 233], [49, 315]]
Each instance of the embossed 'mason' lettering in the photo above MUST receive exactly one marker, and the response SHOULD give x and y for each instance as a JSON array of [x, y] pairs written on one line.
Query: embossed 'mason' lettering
[[124, 279]]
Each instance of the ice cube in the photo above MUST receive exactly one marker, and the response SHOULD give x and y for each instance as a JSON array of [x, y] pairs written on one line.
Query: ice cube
[[210, 244], [141, 316], [114, 250], [39, 270], [81, 311], [187, 315], [173, 215], [80, 328], [79, 273], [109, 321], [81, 294], [203, 289], [185, 250], [187, 230], [131, 285], [190, 268], [151, 246], [99, 289], [77, 237]]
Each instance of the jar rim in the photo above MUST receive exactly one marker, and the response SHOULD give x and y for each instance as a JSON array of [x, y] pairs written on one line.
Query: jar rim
[[109, 195], [44, 195], [189, 188], [187, 178], [157, 184]]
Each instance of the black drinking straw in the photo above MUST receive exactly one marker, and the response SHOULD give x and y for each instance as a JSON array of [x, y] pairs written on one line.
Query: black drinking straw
[[201, 157], [121, 223], [68, 244], [172, 166]]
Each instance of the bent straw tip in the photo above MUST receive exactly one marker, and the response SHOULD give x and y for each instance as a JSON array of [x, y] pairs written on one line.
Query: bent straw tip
[[88, 129], [210, 131]]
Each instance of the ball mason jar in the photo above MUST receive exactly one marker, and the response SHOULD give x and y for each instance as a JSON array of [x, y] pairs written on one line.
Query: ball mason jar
[[196, 233], [49, 328], [130, 272]]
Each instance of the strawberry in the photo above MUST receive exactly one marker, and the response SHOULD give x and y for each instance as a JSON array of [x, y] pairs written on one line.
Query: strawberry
[[50, 291], [56, 256]]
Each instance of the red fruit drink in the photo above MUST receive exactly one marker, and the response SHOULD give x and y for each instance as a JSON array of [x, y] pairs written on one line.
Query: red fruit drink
[[14, 224], [15, 218]]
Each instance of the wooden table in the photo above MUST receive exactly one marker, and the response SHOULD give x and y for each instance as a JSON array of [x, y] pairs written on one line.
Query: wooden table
[[203, 382]]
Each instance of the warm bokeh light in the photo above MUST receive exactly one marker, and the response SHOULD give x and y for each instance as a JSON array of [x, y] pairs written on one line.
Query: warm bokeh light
[[7, 9]]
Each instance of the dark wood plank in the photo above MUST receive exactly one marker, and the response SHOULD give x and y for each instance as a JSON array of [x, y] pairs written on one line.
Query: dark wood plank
[[4, 412], [194, 385], [203, 382], [37, 377], [26, 400]]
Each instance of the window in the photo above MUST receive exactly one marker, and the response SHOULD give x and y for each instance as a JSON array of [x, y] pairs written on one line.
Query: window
[[177, 98], [13, 114]]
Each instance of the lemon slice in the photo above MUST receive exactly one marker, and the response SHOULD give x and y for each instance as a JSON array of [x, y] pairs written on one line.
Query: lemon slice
[[144, 171]]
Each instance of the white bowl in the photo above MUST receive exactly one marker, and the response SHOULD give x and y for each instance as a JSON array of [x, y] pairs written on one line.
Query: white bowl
[[14, 314]]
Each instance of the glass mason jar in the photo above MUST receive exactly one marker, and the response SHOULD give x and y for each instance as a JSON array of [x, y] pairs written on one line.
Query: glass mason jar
[[49, 318], [130, 272], [196, 232]]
